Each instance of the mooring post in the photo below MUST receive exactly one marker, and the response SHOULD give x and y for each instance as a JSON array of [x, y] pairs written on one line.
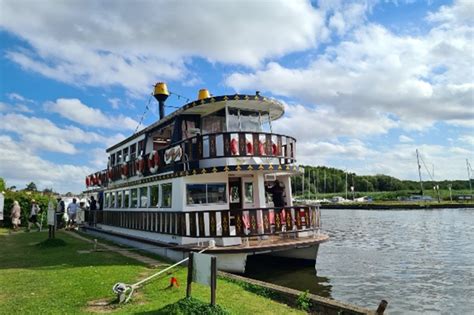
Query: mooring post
[[95, 244], [213, 280], [190, 275], [382, 306]]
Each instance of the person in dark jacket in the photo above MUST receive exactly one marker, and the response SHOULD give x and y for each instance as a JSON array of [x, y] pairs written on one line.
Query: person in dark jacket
[[277, 193], [92, 208], [60, 210]]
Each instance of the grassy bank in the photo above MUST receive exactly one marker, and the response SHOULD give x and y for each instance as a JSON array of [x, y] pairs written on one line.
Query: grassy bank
[[56, 279]]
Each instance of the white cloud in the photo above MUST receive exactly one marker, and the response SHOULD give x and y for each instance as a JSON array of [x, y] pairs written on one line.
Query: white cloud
[[43, 134], [75, 110], [18, 97], [102, 44], [405, 139], [19, 166], [416, 80], [114, 102]]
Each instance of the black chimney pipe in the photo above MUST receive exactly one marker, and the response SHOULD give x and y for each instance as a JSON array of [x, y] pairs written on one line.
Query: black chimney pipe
[[161, 104]]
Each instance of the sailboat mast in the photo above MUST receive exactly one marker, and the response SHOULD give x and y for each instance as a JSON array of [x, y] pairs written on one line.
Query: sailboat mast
[[469, 175], [419, 171]]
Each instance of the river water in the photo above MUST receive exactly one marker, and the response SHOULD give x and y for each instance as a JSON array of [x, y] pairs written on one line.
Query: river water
[[420, 261]]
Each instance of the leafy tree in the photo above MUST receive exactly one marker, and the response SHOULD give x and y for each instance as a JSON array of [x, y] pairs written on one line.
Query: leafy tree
[[31, 187], [2, 184]]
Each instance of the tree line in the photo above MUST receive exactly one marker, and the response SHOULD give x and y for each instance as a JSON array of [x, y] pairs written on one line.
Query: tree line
[[322, 179]]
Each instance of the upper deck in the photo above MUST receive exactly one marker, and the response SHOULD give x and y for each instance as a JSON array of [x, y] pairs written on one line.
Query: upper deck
[[210, 134]]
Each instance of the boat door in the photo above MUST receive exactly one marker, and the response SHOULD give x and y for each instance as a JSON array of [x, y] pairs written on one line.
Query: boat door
[[235, 197]]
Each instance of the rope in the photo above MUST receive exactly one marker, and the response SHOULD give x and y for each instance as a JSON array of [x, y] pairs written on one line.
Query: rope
[[147, 107], [132, 287]]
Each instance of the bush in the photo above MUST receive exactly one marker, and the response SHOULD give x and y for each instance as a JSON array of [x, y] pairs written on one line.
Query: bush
[[303, 302], [24, 199], [191, 306]]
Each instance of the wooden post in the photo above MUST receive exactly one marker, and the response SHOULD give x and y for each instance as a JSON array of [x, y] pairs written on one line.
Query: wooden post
[[213, 280], [190, 275], [382, 306]]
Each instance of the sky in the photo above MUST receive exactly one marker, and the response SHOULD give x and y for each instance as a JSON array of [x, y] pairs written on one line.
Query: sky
[[364, 83]]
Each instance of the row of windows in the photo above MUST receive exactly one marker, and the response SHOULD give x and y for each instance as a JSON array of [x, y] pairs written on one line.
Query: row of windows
[[143, 197]]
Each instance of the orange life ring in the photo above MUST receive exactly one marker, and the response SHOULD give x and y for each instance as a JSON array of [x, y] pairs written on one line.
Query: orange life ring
[[234, 146], [249, 148]]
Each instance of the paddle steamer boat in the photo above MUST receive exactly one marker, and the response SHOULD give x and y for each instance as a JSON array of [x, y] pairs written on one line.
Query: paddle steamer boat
[[197, 178]]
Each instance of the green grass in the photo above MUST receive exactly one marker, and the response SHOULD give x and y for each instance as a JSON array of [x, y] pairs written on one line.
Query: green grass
[[38, 277]]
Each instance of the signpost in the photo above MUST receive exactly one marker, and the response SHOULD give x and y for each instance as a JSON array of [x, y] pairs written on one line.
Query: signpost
[[202, 268]]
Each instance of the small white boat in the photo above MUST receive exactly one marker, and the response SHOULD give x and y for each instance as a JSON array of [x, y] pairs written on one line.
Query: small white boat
[[200, 176]]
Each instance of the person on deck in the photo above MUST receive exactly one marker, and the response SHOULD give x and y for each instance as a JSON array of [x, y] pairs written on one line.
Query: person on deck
[[277, 193], [33, 218], [72, 212], [92, 209], [15, 215]]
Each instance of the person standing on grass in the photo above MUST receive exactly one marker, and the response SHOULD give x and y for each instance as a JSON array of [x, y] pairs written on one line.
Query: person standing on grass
[[72, 213], [15, 215], [33, 218], [60, 211]]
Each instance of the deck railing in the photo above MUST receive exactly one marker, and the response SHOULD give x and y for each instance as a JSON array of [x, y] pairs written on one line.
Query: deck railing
[[221, 223], [185, 154]]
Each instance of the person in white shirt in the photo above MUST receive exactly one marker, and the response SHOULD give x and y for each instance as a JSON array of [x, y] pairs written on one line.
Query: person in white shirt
[[72, 212]]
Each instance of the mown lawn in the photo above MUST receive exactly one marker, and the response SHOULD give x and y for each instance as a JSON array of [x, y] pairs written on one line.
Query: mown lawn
[[59, 280]]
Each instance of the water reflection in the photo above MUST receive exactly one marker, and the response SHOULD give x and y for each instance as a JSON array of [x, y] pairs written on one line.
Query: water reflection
[[421, 261], [289, 273]]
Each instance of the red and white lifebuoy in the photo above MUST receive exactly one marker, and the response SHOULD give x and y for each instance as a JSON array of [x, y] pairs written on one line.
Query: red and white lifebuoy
[[153, 161], [140, 165], [249, 148], [275, 149], [234, 146], [109, 173], [261, 148], [124, 170], [98, 179]]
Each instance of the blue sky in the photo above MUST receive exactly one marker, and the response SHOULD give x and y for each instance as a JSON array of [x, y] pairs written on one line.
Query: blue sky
[[365, 83]]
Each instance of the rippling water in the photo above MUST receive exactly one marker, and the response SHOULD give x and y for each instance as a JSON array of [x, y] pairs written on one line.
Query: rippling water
[[420, 261]]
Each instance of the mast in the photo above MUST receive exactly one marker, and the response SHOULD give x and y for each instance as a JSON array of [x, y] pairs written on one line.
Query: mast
[[419, 171], [346, 184], [468, 165]]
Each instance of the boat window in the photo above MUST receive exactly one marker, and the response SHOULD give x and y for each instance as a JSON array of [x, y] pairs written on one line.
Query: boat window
[[248, 188], [141, 147], [107, 200], [244, 120], [134, 198], [119, 158], [126, 158], [154, 196], [249, 121], [196, 194], [188, 129], [143, 197], [216, 193], [112, 159], [233, 123], [133, 151], [119, 199], [126, 199], [112, 200], [214, 122], [166, 195], [205, 193]]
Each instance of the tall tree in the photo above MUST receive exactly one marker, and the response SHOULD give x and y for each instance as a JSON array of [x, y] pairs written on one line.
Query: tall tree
[[31, 187]]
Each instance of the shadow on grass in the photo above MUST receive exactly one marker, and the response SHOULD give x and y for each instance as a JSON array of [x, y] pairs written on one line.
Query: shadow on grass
[[189, 306], [35, 250]]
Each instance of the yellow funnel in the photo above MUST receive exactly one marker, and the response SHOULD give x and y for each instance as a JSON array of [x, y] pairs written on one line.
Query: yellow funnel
[[203, 93]]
